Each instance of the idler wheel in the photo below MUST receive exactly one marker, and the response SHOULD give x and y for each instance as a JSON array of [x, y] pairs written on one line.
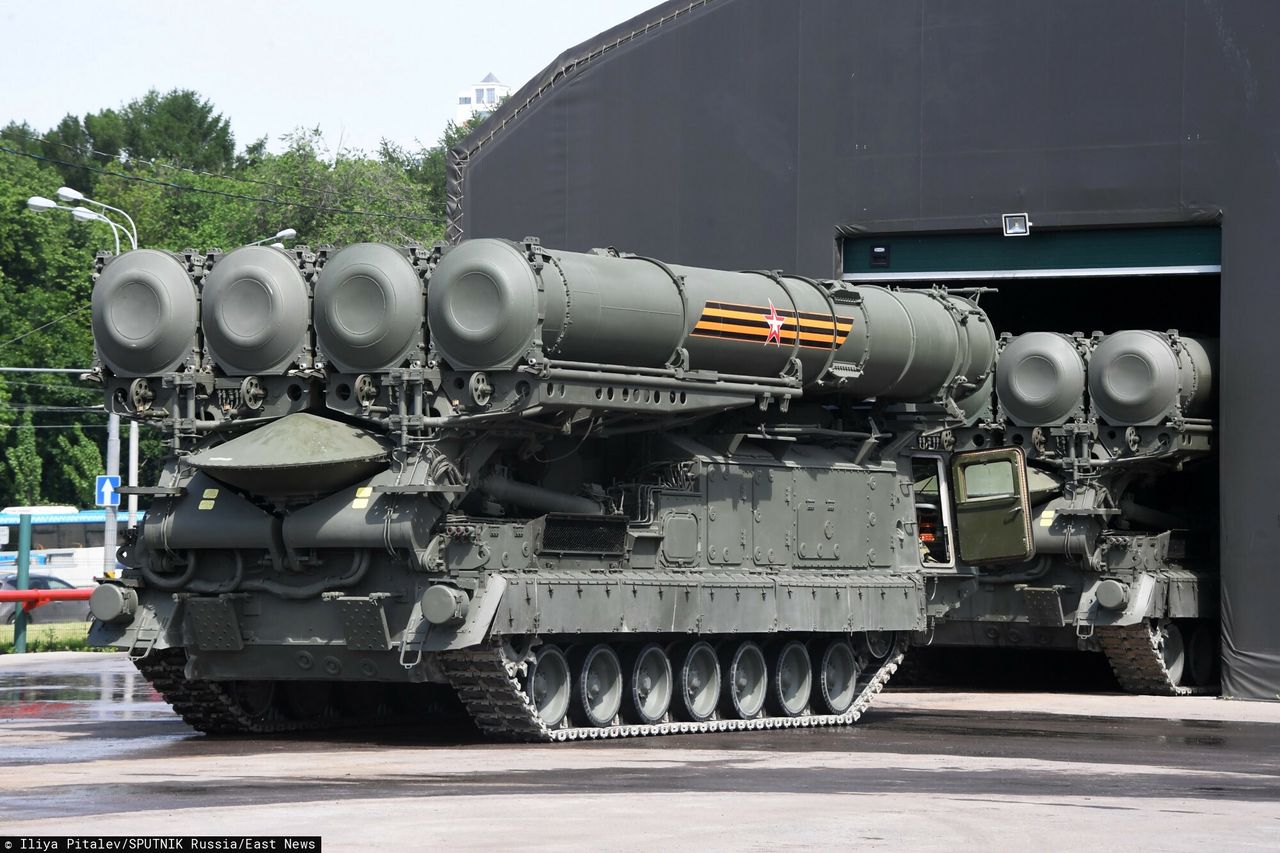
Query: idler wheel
[[597, 687], [699, 683], [792, 681], [547, 685], [879, 644], [1168, 637], [746, 680], [837, 676], [649, 687]]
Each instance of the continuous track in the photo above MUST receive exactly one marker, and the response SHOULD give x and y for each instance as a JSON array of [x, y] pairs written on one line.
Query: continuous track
[[490, 687], [212, 707], [1135, 656]]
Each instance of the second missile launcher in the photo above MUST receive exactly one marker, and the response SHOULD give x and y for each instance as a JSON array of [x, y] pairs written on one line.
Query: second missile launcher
[[1121, 550]]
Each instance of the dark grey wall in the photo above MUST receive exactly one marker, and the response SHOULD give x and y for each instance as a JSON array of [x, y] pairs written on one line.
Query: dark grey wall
[[745, 133]]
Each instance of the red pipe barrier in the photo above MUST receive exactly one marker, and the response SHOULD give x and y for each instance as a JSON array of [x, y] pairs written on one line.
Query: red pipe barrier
[[35, 597]]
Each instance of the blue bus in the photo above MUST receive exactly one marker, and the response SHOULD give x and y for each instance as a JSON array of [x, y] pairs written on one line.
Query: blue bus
[[65, 542]]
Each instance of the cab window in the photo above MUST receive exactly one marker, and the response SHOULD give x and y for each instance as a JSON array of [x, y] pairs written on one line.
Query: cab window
[[933, 529]]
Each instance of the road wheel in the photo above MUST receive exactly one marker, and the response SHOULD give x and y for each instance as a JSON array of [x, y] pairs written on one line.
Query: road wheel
[[597, 687], [791, 681], [837, 677], [548, 685], [649, 686], [699, 683], [746, 680]]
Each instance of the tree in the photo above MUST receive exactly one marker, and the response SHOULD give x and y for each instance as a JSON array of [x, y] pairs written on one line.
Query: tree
[[46, 261], [79, 462], [428, 168], [179, 126], [24, 464]]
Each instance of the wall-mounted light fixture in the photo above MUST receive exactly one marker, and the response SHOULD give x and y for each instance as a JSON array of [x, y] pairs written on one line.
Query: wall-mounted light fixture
[[1017, 225]]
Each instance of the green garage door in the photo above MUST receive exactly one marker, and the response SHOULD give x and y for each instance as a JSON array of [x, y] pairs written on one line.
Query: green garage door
[[1043, 254]]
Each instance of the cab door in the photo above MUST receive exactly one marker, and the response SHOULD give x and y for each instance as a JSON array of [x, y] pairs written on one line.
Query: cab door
[[993, 518]]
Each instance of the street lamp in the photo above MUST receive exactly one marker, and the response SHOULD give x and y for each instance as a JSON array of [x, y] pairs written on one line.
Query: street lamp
[[285, 234], [68, 194], [84, 214], [41, 204]]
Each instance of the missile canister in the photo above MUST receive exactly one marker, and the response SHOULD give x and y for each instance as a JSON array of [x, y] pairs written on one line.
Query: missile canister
[[490, 303], [368, 309], [1139, 378], [1040, 379], [145, 314], [486, 296], [255, 312]]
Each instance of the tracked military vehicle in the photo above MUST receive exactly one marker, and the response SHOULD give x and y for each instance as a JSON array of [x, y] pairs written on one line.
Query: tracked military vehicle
[[573, 495], [581, 494], [1118, 530]]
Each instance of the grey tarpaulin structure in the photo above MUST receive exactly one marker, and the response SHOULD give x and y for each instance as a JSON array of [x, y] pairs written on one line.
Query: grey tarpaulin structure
[[751, 133]]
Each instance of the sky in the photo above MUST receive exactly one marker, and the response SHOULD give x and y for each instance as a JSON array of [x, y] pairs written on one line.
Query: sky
[[359, 71]]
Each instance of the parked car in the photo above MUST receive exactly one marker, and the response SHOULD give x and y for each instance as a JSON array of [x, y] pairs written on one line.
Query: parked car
[[53, 611]]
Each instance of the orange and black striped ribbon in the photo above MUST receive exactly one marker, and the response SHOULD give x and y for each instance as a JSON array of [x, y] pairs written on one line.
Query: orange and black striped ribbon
[[756, 324]]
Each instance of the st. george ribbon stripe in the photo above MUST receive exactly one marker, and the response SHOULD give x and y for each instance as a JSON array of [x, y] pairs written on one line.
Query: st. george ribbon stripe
[[750, 323]]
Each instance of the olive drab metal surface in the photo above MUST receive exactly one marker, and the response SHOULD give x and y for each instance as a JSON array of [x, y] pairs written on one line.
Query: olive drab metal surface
[[591, 495], [993, 518]]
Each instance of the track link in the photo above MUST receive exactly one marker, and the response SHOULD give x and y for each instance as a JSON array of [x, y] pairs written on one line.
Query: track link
[[211, 706], [1133, 651], [491, 689]]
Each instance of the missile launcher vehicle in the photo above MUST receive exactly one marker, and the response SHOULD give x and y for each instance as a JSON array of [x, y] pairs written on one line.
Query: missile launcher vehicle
[[582, 495], [1120, 548], [577, 494]]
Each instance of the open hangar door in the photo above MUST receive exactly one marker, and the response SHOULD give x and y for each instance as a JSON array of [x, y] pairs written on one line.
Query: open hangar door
[[1064, 280], [1086, 281]]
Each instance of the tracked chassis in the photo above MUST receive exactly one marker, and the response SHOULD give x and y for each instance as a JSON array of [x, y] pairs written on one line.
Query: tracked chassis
[[485, 685]]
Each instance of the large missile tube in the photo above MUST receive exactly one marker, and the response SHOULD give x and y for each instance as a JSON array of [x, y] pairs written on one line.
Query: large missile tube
[[492, 304], [1134, 377]]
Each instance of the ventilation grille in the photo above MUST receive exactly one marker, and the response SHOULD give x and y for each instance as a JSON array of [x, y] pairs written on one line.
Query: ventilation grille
[[579, 535]]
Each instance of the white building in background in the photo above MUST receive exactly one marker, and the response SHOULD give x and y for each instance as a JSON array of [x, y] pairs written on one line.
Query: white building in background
[[480, 98]]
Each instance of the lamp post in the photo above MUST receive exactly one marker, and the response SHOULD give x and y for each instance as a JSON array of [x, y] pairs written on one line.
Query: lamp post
[[82, 214], [68, 194], [41, 204], [283, 234]]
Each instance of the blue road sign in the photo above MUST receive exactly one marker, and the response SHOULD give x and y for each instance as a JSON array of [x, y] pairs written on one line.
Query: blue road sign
[[107, 491]]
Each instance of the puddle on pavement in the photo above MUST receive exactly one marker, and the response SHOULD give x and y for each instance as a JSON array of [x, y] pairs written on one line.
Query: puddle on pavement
[[106, 693]]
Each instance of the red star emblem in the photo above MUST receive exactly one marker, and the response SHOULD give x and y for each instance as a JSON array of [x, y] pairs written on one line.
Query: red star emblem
[[775, 325]]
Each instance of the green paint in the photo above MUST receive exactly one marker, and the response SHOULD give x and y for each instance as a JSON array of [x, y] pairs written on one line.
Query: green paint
[[1084, 249]]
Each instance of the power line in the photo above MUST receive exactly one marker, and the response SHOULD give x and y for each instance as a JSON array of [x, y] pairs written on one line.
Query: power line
[[237, 178], [371, 214], [49, 385], [41, 407], [30, 332], [54, 426]]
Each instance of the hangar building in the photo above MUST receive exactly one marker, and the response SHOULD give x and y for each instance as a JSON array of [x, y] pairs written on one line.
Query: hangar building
[[882, 140]]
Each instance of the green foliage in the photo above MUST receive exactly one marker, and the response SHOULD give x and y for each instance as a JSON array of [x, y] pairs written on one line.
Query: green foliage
[[178, 126], [23, 463], [170, 160], [79, 461], [51, 637]]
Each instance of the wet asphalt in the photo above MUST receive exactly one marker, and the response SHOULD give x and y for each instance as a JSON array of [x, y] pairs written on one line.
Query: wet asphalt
[[85, 742]]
